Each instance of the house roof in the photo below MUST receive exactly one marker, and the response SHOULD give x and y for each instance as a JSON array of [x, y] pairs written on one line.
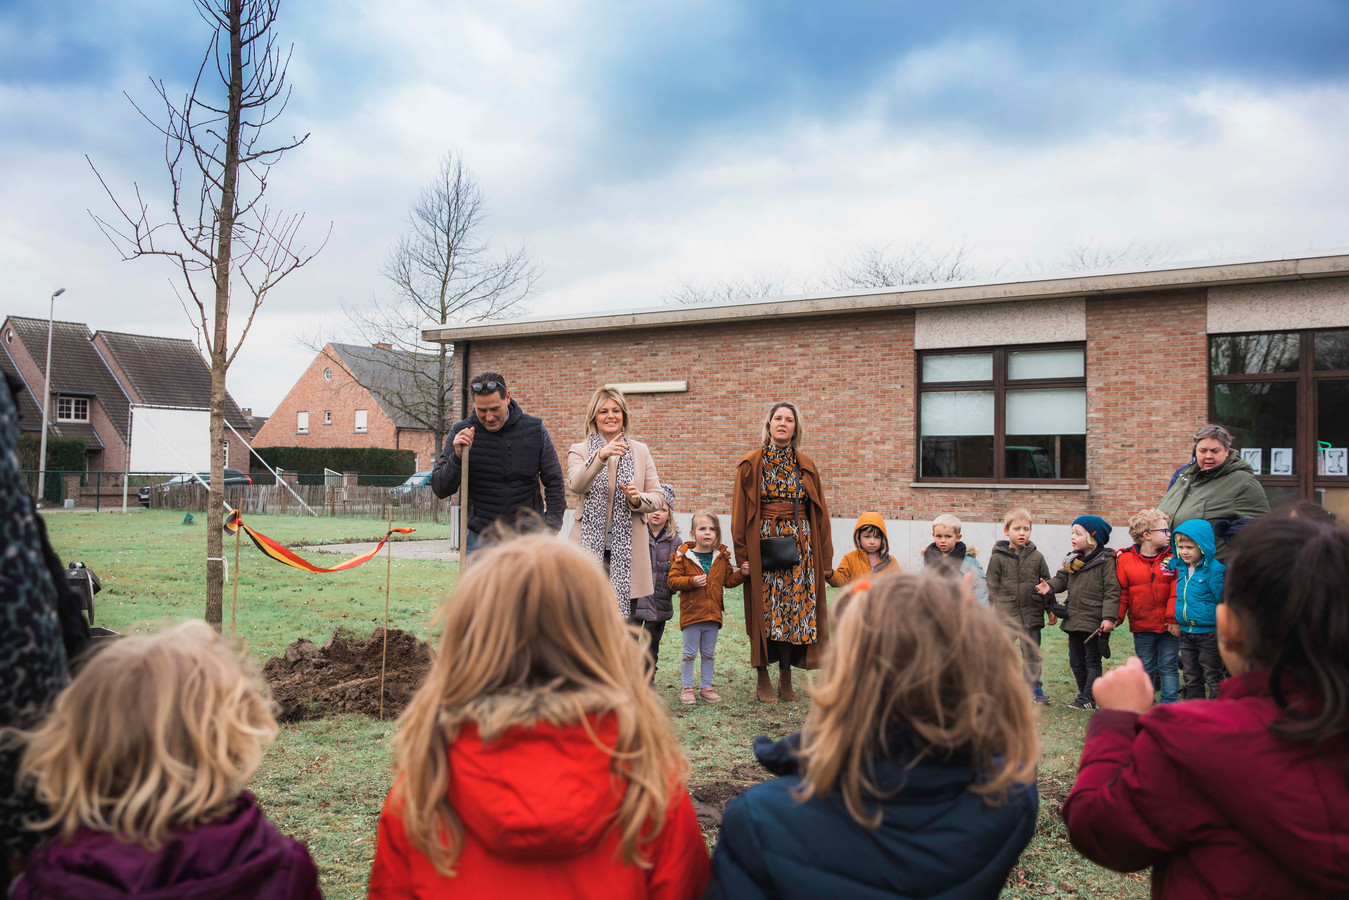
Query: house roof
[[167, 372], [1174, 276], [30, 407], [402, 382], [77, 368]]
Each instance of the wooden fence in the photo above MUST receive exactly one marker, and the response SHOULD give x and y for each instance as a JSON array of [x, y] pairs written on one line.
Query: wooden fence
[[353, 502]]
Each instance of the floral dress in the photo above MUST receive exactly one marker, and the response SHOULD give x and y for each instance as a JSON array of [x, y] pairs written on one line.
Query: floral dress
[[788, 594]]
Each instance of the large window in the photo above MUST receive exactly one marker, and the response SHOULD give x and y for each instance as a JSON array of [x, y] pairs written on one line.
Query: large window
[[1285, 398], [1003, 414]]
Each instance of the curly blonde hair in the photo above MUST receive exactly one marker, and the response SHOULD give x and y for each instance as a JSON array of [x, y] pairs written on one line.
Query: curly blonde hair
[[917, 652], [156, 734]]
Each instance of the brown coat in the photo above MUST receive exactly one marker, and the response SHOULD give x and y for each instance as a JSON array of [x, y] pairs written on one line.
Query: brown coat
[[745, 523], [701, 604], [583, 469]]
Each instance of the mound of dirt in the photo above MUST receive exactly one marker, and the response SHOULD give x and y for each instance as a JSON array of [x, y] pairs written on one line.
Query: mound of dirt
[[342, 676], [710, 797]]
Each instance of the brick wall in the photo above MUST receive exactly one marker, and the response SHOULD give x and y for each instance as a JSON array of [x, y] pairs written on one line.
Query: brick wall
[[342, 396], [853, 379]]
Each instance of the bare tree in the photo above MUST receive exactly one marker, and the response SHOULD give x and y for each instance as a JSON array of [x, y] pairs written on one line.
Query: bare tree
[[443, 271], [1089, 254], [221, 233], [879, 266], [735, 290]]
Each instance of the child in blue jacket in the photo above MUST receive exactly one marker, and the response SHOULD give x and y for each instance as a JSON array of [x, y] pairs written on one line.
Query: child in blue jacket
[[1199, 590]]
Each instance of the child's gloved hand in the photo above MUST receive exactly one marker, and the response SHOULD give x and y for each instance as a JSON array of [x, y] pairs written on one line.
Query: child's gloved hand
[[1128, 688]]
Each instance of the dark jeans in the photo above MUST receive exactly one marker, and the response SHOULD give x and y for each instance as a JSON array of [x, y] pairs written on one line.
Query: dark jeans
[[1032, 661], [1084, 658], [655, 630], [1202, 665], [1159, 653]]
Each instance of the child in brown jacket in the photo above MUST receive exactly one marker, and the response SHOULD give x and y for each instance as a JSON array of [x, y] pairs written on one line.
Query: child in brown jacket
[[700, 569], [872, 556]]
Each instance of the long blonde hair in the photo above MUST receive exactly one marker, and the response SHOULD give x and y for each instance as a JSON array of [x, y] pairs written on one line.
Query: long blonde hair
[[155, 734], [918, 654], [536, 612]]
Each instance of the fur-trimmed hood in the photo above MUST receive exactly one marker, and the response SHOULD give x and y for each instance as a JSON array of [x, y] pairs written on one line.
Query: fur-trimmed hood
[[527, 777]]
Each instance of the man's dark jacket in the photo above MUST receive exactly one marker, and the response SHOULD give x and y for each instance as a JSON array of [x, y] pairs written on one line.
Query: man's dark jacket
[[504, 471]]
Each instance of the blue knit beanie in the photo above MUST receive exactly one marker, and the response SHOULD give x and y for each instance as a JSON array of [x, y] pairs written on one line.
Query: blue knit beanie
[[1098, 528]]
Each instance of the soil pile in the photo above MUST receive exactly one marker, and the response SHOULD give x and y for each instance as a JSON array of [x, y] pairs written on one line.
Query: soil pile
[[342, 676], [710, 797]]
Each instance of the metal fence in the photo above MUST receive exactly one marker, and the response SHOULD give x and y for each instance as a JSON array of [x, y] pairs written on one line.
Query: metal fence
[[103, 490]]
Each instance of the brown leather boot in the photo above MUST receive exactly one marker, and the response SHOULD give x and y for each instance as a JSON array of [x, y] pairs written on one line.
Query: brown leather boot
[[765, 688], [785, 690]]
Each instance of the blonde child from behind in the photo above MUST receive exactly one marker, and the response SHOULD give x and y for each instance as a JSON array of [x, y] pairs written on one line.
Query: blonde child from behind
[[141, 764], [871, 556], [700, 569], [947, 545]]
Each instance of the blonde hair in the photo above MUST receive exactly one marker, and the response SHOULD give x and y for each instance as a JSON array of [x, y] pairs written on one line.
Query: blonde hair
[[917, 653], [705, 514], [1020, 514], [767, 436], [597, 400], [156, 734], [536, 612], [1142, 521], [947, 520]]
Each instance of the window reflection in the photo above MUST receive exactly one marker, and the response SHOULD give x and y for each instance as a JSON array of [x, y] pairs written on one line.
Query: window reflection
[[1254, 354]]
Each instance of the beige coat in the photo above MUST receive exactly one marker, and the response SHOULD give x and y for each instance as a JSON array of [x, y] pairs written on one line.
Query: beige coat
[[583, 469]]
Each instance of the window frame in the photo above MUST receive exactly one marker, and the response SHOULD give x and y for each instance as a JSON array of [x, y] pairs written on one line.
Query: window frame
[[1305, 377], [356, 426], [73, 401], [302, 429], [999, 386]]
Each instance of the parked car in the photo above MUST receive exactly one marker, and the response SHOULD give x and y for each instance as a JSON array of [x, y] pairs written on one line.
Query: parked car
[[232, 477], [415, 480]]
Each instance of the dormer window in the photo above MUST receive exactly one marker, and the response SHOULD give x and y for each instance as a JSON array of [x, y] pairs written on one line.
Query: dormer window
[[72, 409]]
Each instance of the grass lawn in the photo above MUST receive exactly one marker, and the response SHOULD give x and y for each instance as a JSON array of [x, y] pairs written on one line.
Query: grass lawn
[[325, 781]]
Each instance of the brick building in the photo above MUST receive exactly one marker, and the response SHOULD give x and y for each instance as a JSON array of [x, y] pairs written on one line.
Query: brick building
[[357, 396], [1068, 395]]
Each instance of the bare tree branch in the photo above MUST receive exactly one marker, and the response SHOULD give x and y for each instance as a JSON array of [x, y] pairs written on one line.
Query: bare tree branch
[[735, 290], [216, 154], [880, 266]]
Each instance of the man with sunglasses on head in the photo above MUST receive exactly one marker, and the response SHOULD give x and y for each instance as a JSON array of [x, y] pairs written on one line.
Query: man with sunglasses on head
[[511, 456]]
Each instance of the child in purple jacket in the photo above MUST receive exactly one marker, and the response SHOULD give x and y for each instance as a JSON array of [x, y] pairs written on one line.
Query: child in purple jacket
[[141, 765], [651, 613]]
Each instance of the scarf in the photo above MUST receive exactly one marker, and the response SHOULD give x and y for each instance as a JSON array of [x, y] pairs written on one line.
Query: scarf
[[597, 507], [1075, 562], [932, 554]]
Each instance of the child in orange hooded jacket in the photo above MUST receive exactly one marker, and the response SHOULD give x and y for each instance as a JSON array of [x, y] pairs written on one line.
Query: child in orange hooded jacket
[[700, 569], [872, 556]]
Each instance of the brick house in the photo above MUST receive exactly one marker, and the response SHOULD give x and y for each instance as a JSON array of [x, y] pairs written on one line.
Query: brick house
[[170, 372], [1067, 395], [87, 402], [352, 396]]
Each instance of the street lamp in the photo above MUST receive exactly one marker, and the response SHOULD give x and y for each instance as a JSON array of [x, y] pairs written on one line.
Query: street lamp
[[46, 401]]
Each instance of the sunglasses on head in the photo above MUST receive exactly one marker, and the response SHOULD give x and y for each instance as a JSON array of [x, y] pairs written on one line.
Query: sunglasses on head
[[486, 387]]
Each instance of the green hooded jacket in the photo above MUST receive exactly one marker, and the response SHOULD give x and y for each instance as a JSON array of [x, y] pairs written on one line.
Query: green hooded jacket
[[1226, 492]]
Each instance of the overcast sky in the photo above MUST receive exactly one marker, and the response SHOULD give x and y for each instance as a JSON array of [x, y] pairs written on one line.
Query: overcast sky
[[630, 146]]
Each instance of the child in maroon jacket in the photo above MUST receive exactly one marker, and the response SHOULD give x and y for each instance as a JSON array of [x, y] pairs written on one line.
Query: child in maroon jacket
[[1246, 795]]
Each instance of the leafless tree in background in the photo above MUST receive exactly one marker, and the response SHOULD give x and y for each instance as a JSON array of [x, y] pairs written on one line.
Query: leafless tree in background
[[735, 290], [1090, 254], [444, 271], [221, 233], [880, 266]]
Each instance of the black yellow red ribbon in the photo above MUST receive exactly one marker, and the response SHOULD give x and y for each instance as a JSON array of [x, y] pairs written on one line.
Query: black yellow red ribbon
[[269, 547]]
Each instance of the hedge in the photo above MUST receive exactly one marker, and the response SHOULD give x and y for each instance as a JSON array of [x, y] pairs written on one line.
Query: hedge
[[375, 465], [63, 453]]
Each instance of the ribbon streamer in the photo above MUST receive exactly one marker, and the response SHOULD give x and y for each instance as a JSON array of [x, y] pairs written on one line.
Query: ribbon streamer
[[269, 547]]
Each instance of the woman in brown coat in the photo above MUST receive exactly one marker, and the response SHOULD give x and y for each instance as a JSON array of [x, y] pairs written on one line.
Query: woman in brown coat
[[785, 613], [608, 522]]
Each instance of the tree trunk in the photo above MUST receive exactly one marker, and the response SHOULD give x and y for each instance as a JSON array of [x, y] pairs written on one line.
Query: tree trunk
[[215, 502]]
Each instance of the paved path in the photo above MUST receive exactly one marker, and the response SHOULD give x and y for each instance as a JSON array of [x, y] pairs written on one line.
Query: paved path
[[402, 549]]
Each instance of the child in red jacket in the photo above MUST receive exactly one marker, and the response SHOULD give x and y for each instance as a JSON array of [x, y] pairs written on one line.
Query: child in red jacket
[[1145, 587], [536, 761], [1246, 795]]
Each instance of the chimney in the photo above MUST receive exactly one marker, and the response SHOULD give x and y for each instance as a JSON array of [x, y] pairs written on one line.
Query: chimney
[[382, 346], [247, 411]]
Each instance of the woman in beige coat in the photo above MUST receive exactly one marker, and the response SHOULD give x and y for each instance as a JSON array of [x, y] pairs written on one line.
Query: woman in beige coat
[[616, 483]]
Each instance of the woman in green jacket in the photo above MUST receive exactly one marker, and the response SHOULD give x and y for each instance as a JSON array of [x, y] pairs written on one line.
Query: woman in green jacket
[[1219, 487]]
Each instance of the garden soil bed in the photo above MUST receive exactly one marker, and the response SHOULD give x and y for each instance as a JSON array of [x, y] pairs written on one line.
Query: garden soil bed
[[343, 676]]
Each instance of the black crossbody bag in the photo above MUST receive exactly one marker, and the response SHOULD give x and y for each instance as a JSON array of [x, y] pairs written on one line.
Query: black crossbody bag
[[777, 553]]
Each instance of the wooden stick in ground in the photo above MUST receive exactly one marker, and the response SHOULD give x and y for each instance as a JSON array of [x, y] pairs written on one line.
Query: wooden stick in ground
[[234, 600], [388, 580], [463, 514]]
